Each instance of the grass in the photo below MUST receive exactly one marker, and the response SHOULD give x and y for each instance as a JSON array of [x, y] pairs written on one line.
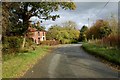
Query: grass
[[109, 54], [17, 65]]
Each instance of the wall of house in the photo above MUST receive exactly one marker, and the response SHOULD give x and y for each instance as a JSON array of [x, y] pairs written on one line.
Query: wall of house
[[39, 36]]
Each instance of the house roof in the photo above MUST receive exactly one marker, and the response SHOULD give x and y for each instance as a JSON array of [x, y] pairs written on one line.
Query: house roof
[[31, 29]]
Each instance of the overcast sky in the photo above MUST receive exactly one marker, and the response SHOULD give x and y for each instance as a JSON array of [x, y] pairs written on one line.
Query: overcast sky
[[92, 10]]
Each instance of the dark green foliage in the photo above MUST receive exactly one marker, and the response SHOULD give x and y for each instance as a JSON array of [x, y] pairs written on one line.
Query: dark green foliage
[[82, 33], [29, 42], [41, 28], [84, 28], [105, 31], [11, 45], [5, 20]]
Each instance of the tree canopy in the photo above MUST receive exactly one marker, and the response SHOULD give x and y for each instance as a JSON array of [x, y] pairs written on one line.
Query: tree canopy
[[82, 33], [99, 30], [64, 34], [19, 13]]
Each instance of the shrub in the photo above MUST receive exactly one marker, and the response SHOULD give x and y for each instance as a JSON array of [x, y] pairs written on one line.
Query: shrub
[[11, 45], [74, 41], [65, 41], [49, 42], [110, 41], [29, 42]]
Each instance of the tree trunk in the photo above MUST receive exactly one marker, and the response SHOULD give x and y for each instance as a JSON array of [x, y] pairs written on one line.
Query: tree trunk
[[26, 18], [25, 24], [24, 40]]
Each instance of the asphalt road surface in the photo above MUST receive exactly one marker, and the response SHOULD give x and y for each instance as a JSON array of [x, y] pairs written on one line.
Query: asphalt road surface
[[70, 61]]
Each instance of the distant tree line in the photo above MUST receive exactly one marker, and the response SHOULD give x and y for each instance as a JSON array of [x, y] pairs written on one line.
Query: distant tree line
[[103, 32]]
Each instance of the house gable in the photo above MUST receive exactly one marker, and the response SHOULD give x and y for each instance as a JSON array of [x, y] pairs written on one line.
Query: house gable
[[36, 35]]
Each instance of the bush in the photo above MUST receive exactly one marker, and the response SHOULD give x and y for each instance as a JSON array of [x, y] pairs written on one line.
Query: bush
[[65, 41], [23, 51], [74, 41], [49, 42], [11, 45], [110, 41], [29, 43]]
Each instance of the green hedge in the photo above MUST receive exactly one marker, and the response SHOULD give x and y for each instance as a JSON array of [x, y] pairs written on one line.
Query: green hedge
[[67, 41], [49, 42], [11, 45]]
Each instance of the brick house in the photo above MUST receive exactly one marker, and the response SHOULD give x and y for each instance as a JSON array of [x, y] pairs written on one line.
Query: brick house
[[36, 35]]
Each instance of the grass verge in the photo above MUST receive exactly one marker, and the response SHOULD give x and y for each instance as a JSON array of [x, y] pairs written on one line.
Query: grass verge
[[111, 55], [19, 64]]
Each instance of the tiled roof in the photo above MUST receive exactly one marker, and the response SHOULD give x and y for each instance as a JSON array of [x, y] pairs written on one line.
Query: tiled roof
[[30, 29]]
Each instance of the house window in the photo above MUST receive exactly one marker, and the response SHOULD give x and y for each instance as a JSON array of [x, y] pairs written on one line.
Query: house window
[[38, 33], [39, 39]]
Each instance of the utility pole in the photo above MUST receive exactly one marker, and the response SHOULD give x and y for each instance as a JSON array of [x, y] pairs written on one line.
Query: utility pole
[[88, 22]]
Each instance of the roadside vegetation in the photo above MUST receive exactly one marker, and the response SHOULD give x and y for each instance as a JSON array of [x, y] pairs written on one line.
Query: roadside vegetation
[[109, 54], [15, 66], [102, 39]]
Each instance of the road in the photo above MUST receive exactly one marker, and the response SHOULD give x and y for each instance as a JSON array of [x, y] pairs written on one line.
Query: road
[[70, 61]]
